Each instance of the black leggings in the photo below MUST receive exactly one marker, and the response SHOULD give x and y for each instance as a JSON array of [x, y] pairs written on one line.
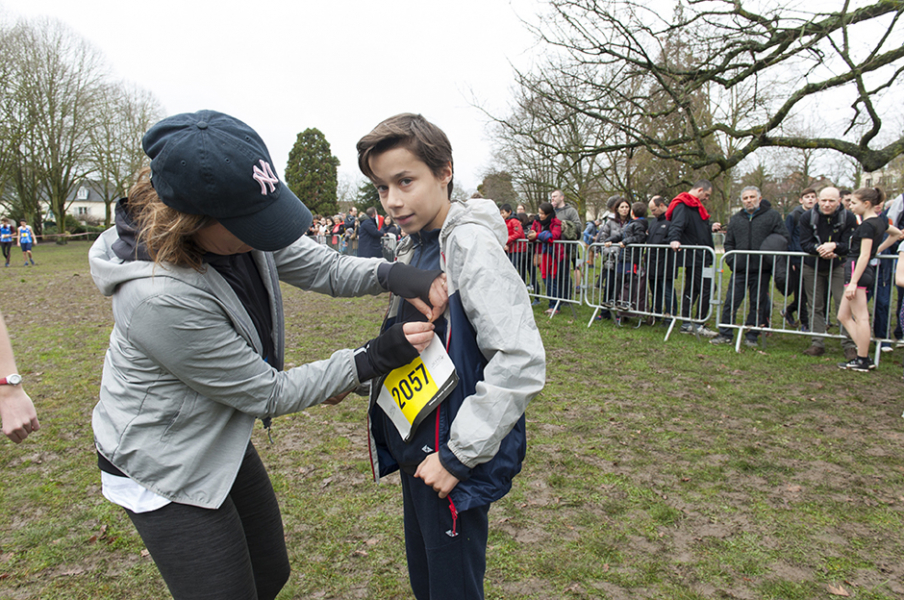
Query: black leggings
[[7, 247], [237, 551]]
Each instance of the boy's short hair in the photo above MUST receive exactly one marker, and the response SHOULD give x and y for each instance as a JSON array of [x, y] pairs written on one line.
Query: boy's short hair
[[639, 209], [506, 207], [808, 190], [413, 132]]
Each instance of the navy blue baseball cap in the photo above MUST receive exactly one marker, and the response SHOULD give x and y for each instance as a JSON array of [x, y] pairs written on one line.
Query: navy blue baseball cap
[[208, 163]]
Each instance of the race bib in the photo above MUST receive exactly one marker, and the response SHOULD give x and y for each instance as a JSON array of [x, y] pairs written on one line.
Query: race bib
[[410, 393]]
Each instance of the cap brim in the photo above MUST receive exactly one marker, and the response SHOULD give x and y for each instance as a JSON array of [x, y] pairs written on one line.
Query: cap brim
[[276, 226]]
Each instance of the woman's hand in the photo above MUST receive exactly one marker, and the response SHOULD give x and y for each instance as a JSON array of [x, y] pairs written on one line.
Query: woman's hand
[[419, 334], [850, 291]]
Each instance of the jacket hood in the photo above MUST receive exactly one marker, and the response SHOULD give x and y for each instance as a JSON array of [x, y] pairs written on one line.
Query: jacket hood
[[127, 247], [117, 256], [477, 211]]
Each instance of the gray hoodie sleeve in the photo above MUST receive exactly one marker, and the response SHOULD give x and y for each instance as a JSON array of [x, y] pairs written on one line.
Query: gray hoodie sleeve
[[196, 345], [498, 307], [312, 266]]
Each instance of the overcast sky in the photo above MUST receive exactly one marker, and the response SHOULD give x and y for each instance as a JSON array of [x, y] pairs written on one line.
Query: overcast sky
[[343, 66]]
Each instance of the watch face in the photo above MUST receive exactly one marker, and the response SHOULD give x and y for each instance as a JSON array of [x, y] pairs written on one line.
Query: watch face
[[14, 379]]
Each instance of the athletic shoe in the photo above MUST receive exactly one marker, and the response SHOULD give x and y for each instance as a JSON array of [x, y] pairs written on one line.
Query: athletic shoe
[[702, 330], [26, 263], [720, 339], [32, 262], [751, 343], [804, 328], [886, 347], [536, 302], [862, 365]]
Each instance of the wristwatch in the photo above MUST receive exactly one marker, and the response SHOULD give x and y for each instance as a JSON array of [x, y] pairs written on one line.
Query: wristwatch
[[14, 379]]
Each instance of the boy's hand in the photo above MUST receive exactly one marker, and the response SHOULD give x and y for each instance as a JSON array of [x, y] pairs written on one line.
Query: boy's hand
[[434, 474]]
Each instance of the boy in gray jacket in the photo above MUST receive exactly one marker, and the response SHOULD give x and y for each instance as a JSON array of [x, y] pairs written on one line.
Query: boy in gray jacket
[[463, 454]]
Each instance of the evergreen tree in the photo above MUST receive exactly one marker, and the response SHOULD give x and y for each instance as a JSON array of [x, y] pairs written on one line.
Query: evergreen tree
[[367, 197], [311, 173]]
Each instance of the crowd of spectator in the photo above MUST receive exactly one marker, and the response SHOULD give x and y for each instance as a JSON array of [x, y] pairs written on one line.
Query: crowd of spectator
[[370, 235], [631, 279]]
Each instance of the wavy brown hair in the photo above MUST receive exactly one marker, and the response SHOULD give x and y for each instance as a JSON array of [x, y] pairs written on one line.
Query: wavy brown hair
[[167, 233]]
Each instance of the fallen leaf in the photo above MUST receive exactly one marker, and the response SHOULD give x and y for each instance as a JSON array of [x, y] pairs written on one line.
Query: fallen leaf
[[837, 591], [372, 542], [326, 482], [360, 553], [145, 553], [4, 576]]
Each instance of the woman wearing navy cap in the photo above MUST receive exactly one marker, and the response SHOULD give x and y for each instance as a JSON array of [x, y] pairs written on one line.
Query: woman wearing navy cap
[[196, 353]]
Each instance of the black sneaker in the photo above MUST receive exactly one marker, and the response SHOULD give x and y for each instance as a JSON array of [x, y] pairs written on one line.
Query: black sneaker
[[862, 365]]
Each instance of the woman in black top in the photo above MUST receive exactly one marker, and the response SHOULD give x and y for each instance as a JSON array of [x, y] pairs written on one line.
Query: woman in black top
[[859, 275]]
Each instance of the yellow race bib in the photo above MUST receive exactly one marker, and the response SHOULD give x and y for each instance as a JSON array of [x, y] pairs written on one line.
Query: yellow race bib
[[410, 393]]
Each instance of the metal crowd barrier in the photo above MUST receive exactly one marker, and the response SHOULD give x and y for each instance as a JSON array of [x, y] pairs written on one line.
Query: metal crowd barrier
[[560, 261], [651, 282], [388, 244], [768, 308]]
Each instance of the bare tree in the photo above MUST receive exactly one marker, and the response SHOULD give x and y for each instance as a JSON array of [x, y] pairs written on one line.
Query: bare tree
[[609, 58], [126, 113], [53, 108]]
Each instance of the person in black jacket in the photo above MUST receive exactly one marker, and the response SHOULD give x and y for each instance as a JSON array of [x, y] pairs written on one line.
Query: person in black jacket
[[632, 288], [747, 230], [369, 236], [793, 286], [825, 233], [689, 226], [661, 263]]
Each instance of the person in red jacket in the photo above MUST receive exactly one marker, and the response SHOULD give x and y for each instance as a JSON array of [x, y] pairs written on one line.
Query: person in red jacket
[[548, 229], [516, 245]]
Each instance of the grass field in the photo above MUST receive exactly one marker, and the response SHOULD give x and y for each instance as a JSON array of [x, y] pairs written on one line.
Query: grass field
[[674, 470]]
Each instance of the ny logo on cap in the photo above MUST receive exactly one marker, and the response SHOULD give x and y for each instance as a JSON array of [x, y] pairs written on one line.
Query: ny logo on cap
[[265, 177]]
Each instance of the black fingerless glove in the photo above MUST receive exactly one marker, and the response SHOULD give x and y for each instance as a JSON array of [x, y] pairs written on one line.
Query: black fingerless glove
[[410, 282], [382, 354]]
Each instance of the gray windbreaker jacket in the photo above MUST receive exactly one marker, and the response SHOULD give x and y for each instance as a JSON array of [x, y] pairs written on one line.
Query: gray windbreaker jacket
[[184, 379], [483, 285]]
